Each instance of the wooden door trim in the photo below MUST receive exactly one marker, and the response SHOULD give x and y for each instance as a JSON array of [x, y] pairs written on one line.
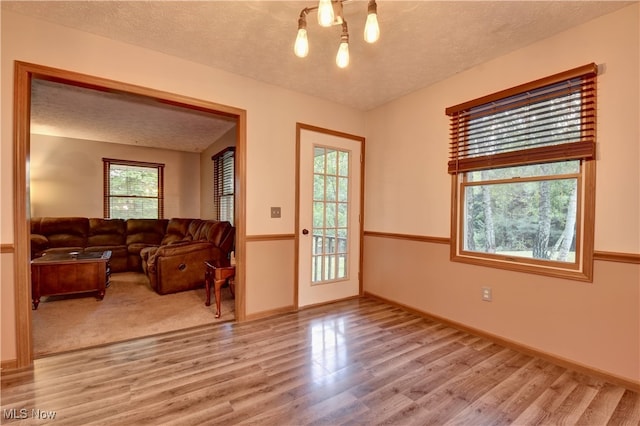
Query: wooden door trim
[[24, 73]]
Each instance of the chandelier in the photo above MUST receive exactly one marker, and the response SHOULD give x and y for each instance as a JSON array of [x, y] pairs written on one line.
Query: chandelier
[[330, 13]]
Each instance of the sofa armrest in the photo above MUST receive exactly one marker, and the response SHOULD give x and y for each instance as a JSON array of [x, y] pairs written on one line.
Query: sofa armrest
[[176, 249], [39, 243], [182, 248]]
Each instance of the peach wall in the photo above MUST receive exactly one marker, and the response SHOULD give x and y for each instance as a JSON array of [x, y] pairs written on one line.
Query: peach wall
[[272, 114], [595, 324], [7, 311], [269, 277], [62, 168]]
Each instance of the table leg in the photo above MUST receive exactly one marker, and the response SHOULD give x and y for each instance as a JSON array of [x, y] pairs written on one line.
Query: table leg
[[232, 286], [207, 286], [216, 288]]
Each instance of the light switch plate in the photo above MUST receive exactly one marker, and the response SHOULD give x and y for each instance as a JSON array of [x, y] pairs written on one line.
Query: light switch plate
[[275, 212]]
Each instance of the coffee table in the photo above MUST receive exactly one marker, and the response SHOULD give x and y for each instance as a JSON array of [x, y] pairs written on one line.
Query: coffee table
[[218, 275], [68, 273]]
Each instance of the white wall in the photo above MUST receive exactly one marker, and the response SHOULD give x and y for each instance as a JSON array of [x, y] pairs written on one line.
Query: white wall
[[66, 176], [408, 191]]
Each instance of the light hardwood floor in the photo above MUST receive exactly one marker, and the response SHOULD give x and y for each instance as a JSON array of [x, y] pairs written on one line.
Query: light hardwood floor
[[357, 362]]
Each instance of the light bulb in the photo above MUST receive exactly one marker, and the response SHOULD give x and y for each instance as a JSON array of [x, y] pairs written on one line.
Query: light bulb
[[371, 28], [325, 13], [301, 47], [342, 58]]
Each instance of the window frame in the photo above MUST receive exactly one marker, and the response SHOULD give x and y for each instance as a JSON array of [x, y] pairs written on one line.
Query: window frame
[[582, 150], [220, 169], [108, 162]]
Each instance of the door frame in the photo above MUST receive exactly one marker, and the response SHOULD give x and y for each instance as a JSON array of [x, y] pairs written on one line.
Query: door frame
[[361, 140], [24, 73]]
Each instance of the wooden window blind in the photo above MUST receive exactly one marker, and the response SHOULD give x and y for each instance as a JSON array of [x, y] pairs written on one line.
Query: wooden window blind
[[551, 119], [224, 184]]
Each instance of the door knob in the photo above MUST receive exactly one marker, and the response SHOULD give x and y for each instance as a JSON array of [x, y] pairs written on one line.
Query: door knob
[[305, 231]]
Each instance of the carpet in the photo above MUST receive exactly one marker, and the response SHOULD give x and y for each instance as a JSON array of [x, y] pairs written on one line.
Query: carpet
[[130, 309]]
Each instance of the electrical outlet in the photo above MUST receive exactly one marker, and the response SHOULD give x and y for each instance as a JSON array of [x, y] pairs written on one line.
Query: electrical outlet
[[275, 212], [486, 294]]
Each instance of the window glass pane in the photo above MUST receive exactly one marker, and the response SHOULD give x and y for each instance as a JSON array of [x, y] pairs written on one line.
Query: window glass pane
[[330, 241], [331, 190], [534, 220], [318, 214], [343, 163], [134, 190], [332, 162], [318, 242], [318, 159], [136, 208], [330, 215], [343, 189], [342, 240], [342, 215], [318, 187], [133, 180]]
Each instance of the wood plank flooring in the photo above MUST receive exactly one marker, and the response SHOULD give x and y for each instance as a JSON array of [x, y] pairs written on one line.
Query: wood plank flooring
[[357, 362]]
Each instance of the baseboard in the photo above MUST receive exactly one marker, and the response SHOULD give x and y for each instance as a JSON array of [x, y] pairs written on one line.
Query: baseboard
[[330, 302], [269, 313], [292, 308], [563, 362], [10, 364]]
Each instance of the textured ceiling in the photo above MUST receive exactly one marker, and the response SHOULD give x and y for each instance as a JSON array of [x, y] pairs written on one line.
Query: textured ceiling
[[421, 42], [75, 112]]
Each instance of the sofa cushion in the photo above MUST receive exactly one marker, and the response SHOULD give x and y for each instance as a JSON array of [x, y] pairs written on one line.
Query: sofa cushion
[[39, 243], [107, 232], [194, 229], [65, 231], [177, 230], [145, 231], [214, 231]]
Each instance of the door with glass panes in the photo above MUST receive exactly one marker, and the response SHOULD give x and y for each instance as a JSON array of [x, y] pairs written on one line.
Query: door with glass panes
[[329, 227]]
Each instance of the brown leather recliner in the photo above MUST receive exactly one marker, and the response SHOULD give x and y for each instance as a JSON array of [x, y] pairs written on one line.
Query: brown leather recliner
[[178, 264]]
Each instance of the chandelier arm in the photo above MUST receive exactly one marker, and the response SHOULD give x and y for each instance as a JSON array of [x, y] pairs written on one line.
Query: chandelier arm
[[345, 30], [342, 59], [304, 12]]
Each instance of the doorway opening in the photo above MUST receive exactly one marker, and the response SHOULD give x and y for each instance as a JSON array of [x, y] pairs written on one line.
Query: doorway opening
[[25, 74]]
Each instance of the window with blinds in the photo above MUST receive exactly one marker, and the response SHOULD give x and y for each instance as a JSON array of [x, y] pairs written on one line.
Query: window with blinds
[[523, 169], [133, 189], [224, 184]]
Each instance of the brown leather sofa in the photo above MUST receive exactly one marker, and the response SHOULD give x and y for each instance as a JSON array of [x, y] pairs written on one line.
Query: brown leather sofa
[[170, 251]]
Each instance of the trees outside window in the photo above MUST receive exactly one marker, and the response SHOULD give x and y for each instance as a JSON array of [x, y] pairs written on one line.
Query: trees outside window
[[523, 168], [133, 189]]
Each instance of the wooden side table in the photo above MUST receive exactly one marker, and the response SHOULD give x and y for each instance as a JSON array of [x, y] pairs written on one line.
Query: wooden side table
[[217, 275]]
